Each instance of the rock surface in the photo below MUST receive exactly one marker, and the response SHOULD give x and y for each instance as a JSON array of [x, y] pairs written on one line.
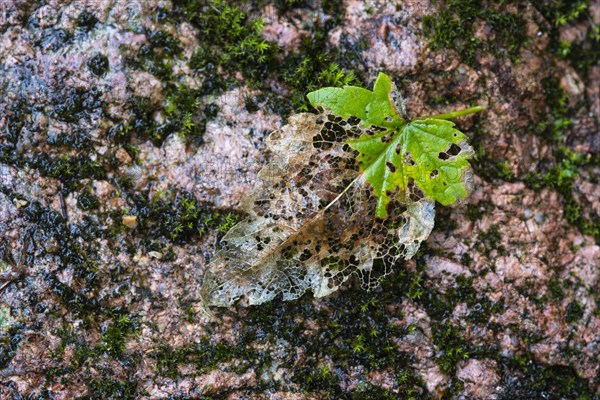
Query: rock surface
[[131, 130]]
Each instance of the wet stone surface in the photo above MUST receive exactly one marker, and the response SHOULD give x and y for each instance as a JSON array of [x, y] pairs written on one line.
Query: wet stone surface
[[130, 131]]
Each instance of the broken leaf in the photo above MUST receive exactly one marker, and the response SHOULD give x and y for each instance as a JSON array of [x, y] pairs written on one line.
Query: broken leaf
[[312, 221], [427, 158], [348, 192], [377, 107]]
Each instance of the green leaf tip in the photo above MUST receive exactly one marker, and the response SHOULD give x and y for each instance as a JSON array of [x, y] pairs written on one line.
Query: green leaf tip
[[377, 107], [405, 160]]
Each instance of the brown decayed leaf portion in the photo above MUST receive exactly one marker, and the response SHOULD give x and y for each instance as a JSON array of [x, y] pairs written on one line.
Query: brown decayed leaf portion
[[311, 221]]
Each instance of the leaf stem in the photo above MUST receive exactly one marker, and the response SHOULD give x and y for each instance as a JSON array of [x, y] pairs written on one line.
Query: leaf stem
[[455, 114]]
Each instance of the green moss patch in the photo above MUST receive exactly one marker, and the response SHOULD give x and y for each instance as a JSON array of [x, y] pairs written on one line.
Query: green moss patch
[[562, 178], [234, 42], [178, 217], [582, 54], [455, 23]]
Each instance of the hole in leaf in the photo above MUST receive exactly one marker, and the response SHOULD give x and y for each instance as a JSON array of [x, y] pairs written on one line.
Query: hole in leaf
[[353, 121], [453, 150]]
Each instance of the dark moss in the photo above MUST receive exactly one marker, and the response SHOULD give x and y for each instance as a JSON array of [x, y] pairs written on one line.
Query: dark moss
[[555, 288], [561, 12], [69, 170], [205, 355], [78, 103], [533, 180], [111, 389], [524, 378], [77, 139], [79, 257], [440, 306], [235, 44], [312, 68], [557, 115], [334, 9], [79, 299], [510, 32], [87, 201], [487, 166], [444, 221], [69, 338], [368, 390], [491, 240], [562, 178], [181, 107], [211, 110], [162, 43], [574, 311], [86, 20], [454, 27], [491, 169], [75, 300], [556, 118], [451, 344], [177, 217], [156, 55], [582, 54], [284, 6], [115, 335], [561, 172], [529, 291], [98, 64], [466, 259], [361, 332], [586, 54], [9, 342], [306, 70], [449, 30], [474, 213]]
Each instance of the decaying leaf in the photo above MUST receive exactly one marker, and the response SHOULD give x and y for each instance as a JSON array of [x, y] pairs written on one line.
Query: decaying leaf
[[428, 153], [429, 156], [312, 221], [345, 193]]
